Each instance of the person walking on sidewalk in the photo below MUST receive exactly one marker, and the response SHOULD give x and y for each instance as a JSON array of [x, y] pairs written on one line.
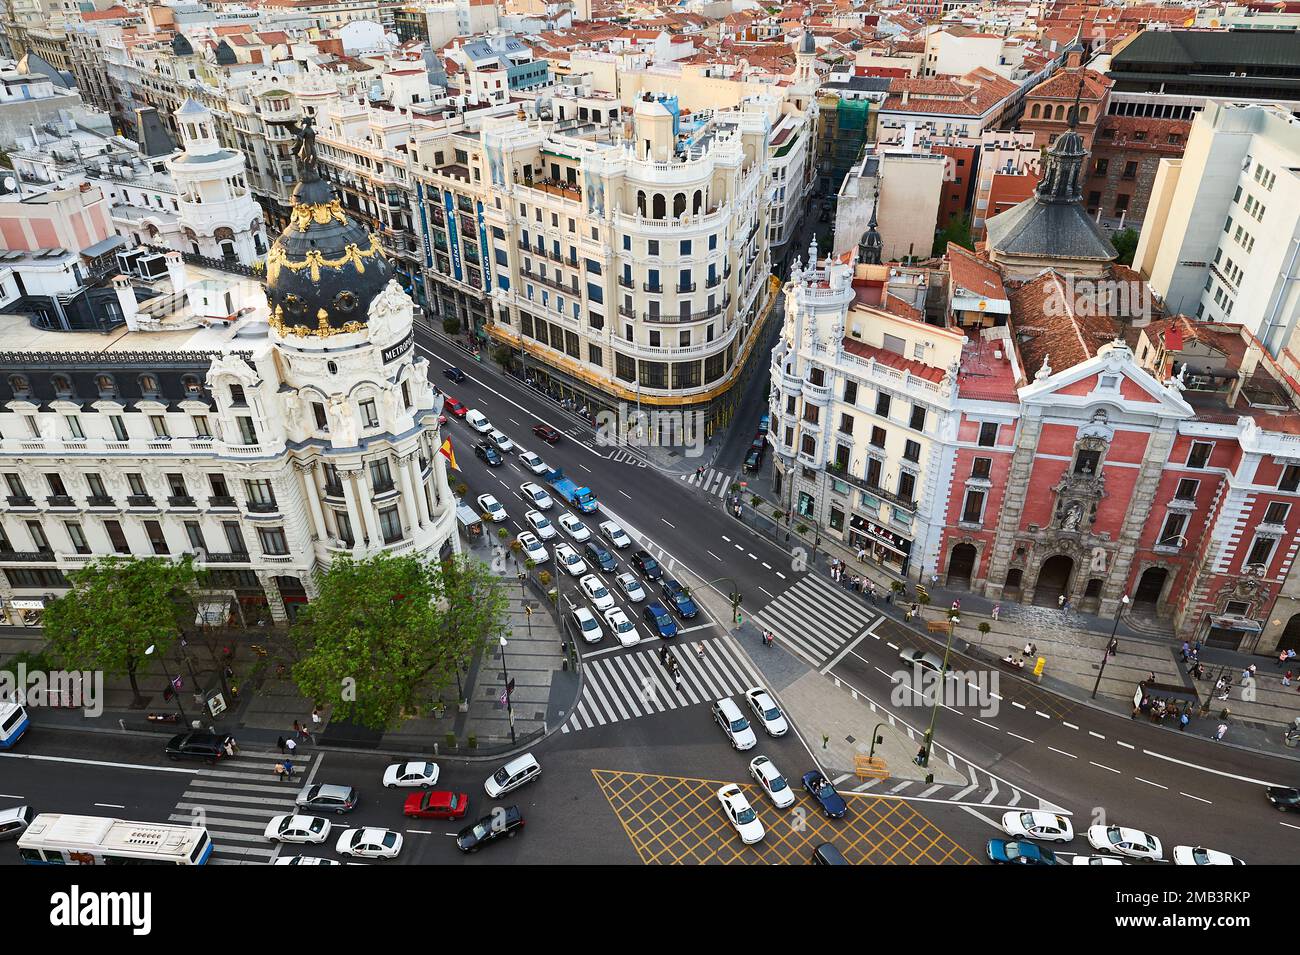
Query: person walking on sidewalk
[[1112, 648], [1183, 720], [1286, 678], [290, 746], [1221, 732], [997, 609]]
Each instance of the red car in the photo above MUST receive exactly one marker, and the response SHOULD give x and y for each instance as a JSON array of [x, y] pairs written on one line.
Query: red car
[[437, 804], [546, 433], [455, 407]]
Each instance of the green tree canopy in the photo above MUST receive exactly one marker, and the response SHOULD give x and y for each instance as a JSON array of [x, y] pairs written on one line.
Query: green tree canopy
[[1125, 242], [385, 632], [958, 231], [118, 608]]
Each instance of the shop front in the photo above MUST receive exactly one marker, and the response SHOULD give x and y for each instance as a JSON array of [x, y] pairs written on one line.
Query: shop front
[[1232, 632], [26, 611], [884, 546]]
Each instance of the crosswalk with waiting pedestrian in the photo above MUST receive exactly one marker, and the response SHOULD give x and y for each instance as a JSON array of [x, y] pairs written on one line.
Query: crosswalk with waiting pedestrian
[[813, 618], [628, 686], [236, 798], [712, 482]]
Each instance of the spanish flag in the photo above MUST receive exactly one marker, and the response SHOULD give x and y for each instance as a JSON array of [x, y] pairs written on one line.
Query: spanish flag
[[447, 452]]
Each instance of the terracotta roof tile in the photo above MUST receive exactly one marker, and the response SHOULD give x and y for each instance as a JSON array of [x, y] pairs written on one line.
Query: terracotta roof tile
[[1049, 325], [893, 360], [975, 275]]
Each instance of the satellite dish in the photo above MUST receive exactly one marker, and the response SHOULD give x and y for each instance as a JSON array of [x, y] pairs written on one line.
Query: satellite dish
[[10, 184]]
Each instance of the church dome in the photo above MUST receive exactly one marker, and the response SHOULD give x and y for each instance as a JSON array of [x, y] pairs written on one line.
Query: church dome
[[325, 269]]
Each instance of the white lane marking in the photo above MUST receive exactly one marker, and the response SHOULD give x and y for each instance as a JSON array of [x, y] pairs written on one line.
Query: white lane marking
[[583, 466], [97, 762], [624, 493], [1107, 768], [1149, 782], [1069, 725], [1206, 769], [109, 805], [517, 425], [1018, 736], [1096, 734], [1042, 714], [768, 592], [1197, 798], [1288, 825], [673, 526], [982, 723], [420, 832], [767, 566], [10, 796], [713, 555], [1062, 752], [781, 575], [1120, 742], [1021, 705]]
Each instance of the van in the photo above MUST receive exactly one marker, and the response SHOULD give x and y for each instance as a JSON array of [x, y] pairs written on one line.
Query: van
[[13, 723], [478, 421], [520, 770], [14, 822]]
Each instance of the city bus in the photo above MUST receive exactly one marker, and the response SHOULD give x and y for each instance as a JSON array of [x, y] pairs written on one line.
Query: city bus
[[13, 723], [59, 839]]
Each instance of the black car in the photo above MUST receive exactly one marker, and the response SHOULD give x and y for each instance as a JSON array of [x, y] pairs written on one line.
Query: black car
[[680, 600], [753, 460], [600, 557], [1284, 798], [821, 789], [828, 854], [546, 433], [206, 746], [500, 822], [647, 565], [454, 373], [490, 455]]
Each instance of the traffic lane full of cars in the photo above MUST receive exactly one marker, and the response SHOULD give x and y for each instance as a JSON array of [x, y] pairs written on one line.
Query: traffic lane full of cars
[[1112, 844], [477, 811]]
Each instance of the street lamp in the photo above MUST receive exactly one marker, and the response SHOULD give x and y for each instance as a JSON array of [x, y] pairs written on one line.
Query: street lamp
[[505, 672], [1105, 654], [953, 619], [176, 693]]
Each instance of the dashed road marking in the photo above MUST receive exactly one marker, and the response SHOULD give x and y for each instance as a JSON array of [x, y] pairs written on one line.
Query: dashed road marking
[[1062, 752]]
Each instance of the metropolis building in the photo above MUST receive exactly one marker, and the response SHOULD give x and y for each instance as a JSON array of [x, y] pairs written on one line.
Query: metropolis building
[[264, 429]]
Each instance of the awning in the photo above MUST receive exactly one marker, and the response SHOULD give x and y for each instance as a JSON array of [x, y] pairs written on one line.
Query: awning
[[27, 604], [103, 247], [1234, 622], [467, 516]]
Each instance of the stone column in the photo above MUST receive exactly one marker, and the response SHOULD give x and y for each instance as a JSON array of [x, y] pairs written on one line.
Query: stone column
[[359, 534], [421, 502], [319, 528], [442, 487], [409, 507]]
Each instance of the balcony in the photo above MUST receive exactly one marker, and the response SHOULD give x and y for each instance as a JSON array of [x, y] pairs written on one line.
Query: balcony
[[686, 289], [888, 496], [627, 312], [552, 187], [61, 500], [235, 557], [384, 487], [218, 501], [99, 500], [263, 507], [334, 491], [140, 500], [646, 286], [21, 500], [181, 500], [27, 556], [626, 282]]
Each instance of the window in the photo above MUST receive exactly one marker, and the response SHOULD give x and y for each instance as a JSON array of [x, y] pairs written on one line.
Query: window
[[78, 537], [116, 537], [176, 485], [1187, 489], [808, 445], [322, 420], [159, 424], [684, 247], [406, 394], [811, 413], [981, 468], [851, 392], [972, 511], [1087, 462], [74, 426], [195, 533], [1199, 456], [878, 437], [157, 539], [906, 485], [918, 418], [846, 423], [1171, 535], [234, 537], [201, 427], [261, 495], [390, 525], [237, 396], [272, 541], [119, 426], [1290, 478], [988, 434], [247, 431], [96, 485], [369, 413], [1261, 551], [381, 477], [912, 451], [882, 404], [136, 483], [652, 247], [1277, 512]]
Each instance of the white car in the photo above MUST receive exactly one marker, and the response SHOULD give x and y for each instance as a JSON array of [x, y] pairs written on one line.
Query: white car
[[740, 814], [532, 548], [587, 625], [615, 534], [625, 631], [306, 860], [595, 589], [1199, 855], [630, 584], [291, 828], [536, 495], [734, 724], [478, 421], [533, 463], [769, 715], [503, 443], [487, 504], [406, 775], [574, 527], [771, 782], [540, 523], [1097, 860], [369, 843], [1125, 842], [1047, 826], [568, 558]]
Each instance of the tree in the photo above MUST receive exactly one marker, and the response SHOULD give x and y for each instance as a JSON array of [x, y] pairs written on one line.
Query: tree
[[385, 629], [451, 325], [956, 231], [116, 610], [1125, 242]]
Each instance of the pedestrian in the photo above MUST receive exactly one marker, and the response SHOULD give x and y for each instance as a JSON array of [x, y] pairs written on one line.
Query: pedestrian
[[1281, 658], [920, 757], [956, 606], [1221, 731], [297, 730], [290, 746], [825, 740], [677, 678], [315, 717], [304, 735], [1187, 650], [1151, 676], [1112, 648], [279, 771], [699, 649], [997, 609], [908, 613], [1060, 601], [288, 770], [280, 743], [1286, 678], [230, 743]]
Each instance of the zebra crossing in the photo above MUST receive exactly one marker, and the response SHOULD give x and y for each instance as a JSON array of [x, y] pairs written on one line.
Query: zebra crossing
[[633, 685], [619, 456], [712, 482], [813, 619], [236, 799]]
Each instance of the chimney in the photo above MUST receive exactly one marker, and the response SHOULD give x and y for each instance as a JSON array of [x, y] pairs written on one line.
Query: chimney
[[176, 272], [906, 95], [126, 301]]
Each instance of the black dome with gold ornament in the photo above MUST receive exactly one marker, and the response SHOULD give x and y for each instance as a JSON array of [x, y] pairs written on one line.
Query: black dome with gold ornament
[[325, 269]]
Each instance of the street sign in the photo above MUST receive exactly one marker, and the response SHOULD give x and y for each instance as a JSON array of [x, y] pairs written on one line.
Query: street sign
[[217, 705], [176, 682]]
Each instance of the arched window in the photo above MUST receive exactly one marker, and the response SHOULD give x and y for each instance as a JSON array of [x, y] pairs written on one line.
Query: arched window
[[1036, 111], [659, 206], [148, 384], [1083, 114], [106, 385], [640, 202], [1060, 112], [20, 384], [193, 387], [62, 385], [698, 205], [679, 205]]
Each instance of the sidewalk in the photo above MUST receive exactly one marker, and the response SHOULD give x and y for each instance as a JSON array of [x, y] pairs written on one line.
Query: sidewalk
[[1073, 645]]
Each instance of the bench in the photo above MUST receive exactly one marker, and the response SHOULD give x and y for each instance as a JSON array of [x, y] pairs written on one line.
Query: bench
[[870, 767]]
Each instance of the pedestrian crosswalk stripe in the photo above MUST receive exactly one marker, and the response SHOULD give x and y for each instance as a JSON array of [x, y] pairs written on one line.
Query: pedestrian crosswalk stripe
[[712, 482], [636, 684], [814, 619]]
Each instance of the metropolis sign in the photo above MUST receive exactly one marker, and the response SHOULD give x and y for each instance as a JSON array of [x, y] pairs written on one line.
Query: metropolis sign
[[394, 352]]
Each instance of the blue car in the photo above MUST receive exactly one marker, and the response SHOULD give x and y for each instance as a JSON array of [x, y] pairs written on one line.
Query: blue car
[[677, 596], [820, 788], [659, 619], [1020, 853], [600, 557]]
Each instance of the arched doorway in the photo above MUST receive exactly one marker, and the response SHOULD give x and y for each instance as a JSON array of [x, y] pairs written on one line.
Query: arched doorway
[[1053, 580], [961, 565], [292, 594], [1150, 586], [1291, 634]]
